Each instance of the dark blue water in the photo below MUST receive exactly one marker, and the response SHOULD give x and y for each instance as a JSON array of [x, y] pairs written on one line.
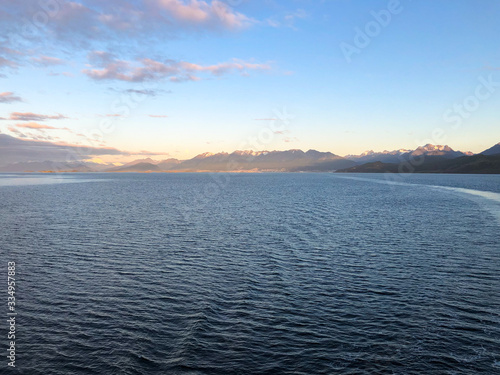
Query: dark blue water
[[253, 273]]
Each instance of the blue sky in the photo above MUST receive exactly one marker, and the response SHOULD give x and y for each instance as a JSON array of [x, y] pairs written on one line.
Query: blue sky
[[174, 78]]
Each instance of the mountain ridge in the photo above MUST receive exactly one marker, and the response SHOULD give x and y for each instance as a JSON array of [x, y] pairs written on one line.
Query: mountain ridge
[[402, 155], [18, 155]]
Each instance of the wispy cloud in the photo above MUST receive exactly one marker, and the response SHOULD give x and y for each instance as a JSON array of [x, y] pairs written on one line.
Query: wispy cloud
[[40, 136], [30, 116], [147, 92], [158, 116], [47, 61], [142, 92], [108, 67], [7, 63], [9, 97], [287, 19], [145, 153], [37, 126], [17, 132]]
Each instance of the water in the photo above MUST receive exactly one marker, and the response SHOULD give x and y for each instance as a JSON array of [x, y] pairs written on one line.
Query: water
[[253, 273]]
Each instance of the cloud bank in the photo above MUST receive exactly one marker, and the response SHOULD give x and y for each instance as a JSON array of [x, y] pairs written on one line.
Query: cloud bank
[[15, 150]]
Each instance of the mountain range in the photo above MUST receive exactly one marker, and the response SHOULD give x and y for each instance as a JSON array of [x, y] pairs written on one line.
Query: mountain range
[[17, 155], [438, 159], [401, 155], [257, 161]]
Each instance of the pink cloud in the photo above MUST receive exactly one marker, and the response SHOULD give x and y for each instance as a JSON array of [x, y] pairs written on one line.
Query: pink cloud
[[91, 19], [7, 63], [29, 116], [82, 24], [35, 125], [47, 61], [110, 68], [9, 97], [41, 127], [201, 13], [17, 132]]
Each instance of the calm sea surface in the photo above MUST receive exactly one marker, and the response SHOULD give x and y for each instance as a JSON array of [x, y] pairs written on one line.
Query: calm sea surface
[[252, 273]]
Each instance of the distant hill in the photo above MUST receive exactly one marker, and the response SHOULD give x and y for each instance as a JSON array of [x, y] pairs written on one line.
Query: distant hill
[[138, 167], [478, 164], [401, 155], [384, 156], [495, 150], [168, 164]]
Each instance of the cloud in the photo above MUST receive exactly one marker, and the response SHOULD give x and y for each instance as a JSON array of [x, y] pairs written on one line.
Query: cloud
[[9, 97], [66, 74], [146, 153], [7, 63], [47, 61], [158, 116], [37, 126], [141, 92], [89, 20], [196, 13], [298, 14], [9, 58], [266, 119], [107, 67], [17, 132], [14, 150], [287, 19], [34, 125], [17, 150], [124, 26], [147, 92], [29, 116]]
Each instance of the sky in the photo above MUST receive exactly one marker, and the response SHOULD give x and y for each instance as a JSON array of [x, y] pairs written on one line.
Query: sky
[[176, 78]]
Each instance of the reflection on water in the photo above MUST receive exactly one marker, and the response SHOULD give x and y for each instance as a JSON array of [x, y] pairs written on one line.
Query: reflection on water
[[488, 200], [19, 179]]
